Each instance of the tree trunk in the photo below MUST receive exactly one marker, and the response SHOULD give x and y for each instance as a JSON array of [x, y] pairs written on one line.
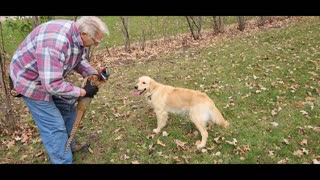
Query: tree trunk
[[195, 24], [241, 22], [125, 31], [9, 121], [143, 41], [218, 25], [35, 21]]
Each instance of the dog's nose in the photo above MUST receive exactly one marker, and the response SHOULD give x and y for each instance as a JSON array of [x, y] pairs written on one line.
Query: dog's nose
[[136, 86]]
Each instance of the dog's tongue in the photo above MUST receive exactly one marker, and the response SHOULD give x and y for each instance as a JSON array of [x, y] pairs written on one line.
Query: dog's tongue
[[137, 93]]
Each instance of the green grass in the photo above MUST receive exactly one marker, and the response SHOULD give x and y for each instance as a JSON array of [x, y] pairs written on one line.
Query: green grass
[[254, 80]]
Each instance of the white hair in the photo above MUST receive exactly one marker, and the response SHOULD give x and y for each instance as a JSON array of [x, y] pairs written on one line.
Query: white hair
[[92, 25]]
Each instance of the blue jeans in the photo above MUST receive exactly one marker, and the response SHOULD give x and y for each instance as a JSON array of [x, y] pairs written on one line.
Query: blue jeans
[[54, 120]]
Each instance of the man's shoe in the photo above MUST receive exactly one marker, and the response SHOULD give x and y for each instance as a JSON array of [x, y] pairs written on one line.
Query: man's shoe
[[80, 147]]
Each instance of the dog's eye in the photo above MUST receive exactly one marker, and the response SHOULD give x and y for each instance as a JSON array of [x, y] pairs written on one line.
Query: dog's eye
[[143, 82]]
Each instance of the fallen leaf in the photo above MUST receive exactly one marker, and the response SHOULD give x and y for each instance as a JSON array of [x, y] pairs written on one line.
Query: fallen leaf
[[24, 138], [234, 142], [283, 161], [135, 162], [117, 130], [316, 129], [239, 151], [270, 153], [39, 154], [10, 144], [150, 136], [124, 157], [305, 151], [23, 157], [309, 127], [298, 153], [274, 124], [186, 158], [310, 98], [285, 141], [216, 139], [160, 143], [246, 147], [304, 112], [298, 104], [118, 138], [17, 138], [176, 158], [314, 161], [303, 142], [210, 148], [179, 143]]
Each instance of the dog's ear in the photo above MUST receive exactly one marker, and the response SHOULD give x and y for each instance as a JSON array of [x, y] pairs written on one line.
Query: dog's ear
[[152, 85]]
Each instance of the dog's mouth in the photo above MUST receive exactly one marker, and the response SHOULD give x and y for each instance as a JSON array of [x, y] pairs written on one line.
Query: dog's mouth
[[139, 92]]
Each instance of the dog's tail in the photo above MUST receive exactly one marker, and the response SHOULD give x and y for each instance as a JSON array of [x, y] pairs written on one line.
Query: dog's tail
[[218, 118]]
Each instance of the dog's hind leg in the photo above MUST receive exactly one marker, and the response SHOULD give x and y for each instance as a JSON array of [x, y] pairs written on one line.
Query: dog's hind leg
[[162, 118], [201, 125]]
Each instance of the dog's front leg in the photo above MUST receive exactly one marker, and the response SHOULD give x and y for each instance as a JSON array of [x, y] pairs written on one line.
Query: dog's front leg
[[162, 118]]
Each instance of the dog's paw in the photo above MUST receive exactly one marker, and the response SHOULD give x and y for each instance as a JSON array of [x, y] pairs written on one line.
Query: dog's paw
[[157, 131], [199, 146]]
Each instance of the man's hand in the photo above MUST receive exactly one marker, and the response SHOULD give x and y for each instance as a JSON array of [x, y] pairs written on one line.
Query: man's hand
[[91, 90]]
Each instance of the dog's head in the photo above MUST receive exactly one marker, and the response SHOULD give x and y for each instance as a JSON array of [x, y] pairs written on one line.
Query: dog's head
[[144, 85]]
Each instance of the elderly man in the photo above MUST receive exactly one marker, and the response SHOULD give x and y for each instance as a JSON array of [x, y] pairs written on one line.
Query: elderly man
[[38, 70]]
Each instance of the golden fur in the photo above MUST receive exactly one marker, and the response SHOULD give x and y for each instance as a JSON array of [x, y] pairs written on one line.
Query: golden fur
[[166, 99]]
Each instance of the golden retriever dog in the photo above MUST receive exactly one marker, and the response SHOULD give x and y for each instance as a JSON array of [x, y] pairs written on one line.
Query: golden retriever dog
[[166, 99]]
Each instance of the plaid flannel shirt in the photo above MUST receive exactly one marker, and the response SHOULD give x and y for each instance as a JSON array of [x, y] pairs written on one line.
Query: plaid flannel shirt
[[46, 56]]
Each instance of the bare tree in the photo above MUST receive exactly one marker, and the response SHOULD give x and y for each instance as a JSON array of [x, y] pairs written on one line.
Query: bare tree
[[35, 21], [241, 22], [218, 24], [125, 31], [195, 25], [40, 19], [143, 40], [106, 46], [144, 32], [9, 121]]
